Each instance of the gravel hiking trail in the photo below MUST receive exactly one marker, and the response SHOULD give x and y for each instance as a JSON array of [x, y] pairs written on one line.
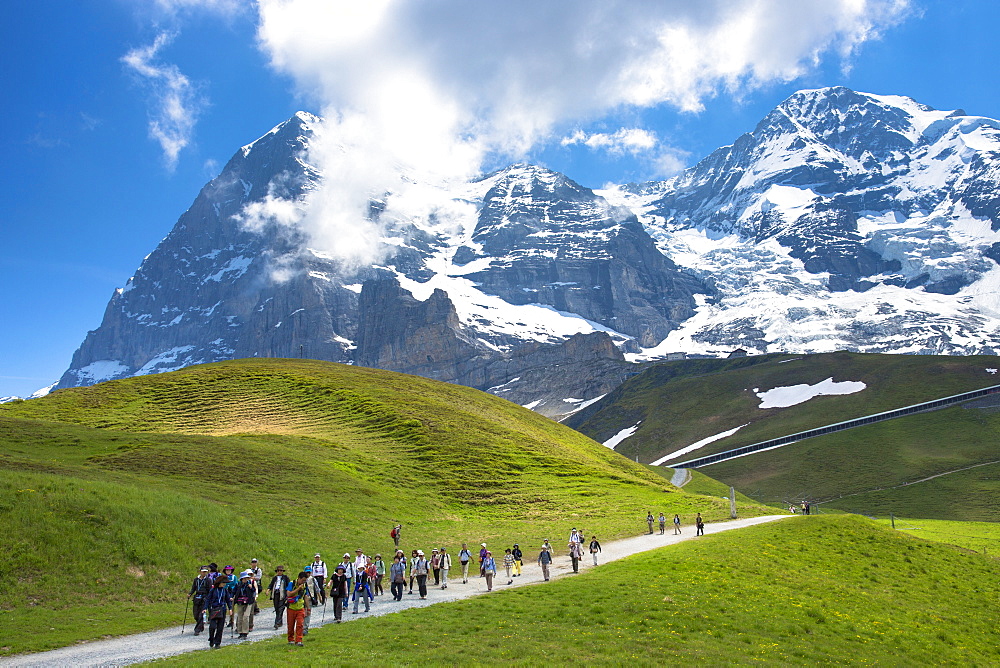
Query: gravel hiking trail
[[142, 647]]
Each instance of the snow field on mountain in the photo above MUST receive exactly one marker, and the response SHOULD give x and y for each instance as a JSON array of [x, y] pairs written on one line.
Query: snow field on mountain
[[783, 397], [696, 445]]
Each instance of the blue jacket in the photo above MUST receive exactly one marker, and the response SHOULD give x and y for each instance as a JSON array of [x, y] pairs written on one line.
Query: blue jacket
[[219, 598]]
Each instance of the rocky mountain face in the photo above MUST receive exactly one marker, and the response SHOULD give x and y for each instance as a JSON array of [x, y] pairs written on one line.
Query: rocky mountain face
[[843, 221]]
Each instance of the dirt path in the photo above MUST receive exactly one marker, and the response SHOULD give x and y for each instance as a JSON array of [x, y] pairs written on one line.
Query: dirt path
[[169, 642]]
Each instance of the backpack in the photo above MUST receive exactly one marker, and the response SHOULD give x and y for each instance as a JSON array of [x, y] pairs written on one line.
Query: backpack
[[244, 593], [392, 534]]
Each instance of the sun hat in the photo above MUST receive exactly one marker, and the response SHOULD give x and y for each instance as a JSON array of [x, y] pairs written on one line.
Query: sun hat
[[254, 560], [229, 568], [308, 569], [483, 544], [420, 553], [340, 567], [316, 556], [204, 569], [346, 555], [246, 574]]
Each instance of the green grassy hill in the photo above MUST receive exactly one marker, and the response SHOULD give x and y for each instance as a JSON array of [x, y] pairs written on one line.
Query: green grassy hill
[[112, 495], [680, 403], [801, 592]]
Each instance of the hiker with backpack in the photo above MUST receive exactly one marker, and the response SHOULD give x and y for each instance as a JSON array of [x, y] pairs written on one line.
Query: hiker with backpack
[[339, 591], [482, 558], [230, 580], [278, 589], [508, 565], [362, 592], [663, 523], [413, 575], [518, 559], [296, 609], [649, 521], [397, 576], [200, 589], [700, 524], [419, 569], [217, 603], [311, 599], [396, 533], [464, 558], [348, 571], [319, 575], [257, 574], [575, 553], [444, 561], [677, 525], [489, 567], [436, 566], [544, 559], [595, 547], [379, 575], [245, 596]]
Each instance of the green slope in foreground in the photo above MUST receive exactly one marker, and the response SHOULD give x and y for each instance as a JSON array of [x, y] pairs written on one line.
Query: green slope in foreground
[[802, 591], [110, 496]]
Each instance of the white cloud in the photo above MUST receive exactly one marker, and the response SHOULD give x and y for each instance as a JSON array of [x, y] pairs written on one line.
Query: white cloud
[[427, 91], [176, 101], [624, 140]]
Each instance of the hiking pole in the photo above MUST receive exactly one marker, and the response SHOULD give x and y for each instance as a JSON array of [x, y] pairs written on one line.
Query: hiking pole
[[184, 623]]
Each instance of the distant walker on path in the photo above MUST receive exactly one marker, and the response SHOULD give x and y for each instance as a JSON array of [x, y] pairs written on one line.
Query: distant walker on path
[[649, 521]]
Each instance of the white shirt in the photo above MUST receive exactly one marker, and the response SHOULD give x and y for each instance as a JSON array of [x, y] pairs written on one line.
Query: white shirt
[[361, 562], [319, 568]]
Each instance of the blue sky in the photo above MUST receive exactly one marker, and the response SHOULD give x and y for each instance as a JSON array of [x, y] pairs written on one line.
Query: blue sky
[[88, 191]]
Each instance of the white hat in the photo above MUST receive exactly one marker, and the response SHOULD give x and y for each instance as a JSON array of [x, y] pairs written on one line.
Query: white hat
[[483, 544], [420, 553], [317, 555], [346, 555]]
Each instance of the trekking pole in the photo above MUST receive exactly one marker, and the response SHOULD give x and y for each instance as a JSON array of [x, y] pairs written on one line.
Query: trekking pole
[[184, 623], [323, 621]]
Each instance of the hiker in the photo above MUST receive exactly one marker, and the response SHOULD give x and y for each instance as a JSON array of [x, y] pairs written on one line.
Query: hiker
[[663, 523], [436, 566], [700, 524], [339, 591], [395, 534], [575, 553], [489, 570], [213, 571], [508, 565], [379, 574], [257, 574], [518, 560], [319, 575], [397, 576], [595, 547], [649, 521], [361, 590], [348, 571], [296, 609], [575, 537], [482, 557], [419, 568], [544, 559], [229, 579], [413, 576], [217, 602], [200, 589], [791, 508], [310, 601], [803, 507], [444, 561], [464, 557], [808, 508], [677, 525], [361, 561], [244, 596], [278, 589]]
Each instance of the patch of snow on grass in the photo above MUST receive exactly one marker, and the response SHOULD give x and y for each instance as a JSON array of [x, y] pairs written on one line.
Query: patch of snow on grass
[[992, 371], [615, 440], [783, 397], [699, 444]]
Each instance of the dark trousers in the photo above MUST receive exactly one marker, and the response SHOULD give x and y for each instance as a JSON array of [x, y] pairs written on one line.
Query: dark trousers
[[279, 611], [576, 564], [396, 588], [377, 588], [319, 583], [198, 607], [215, 627], [422, 585], [338, 606], [437, 576]]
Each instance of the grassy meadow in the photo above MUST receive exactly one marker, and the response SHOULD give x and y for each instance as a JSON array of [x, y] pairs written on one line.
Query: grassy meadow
[[682, 402], [111, 496], [884, 468], [805, 591]]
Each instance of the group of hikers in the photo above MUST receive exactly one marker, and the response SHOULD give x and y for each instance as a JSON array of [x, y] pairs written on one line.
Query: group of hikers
[[223, 599], [699, 524]]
